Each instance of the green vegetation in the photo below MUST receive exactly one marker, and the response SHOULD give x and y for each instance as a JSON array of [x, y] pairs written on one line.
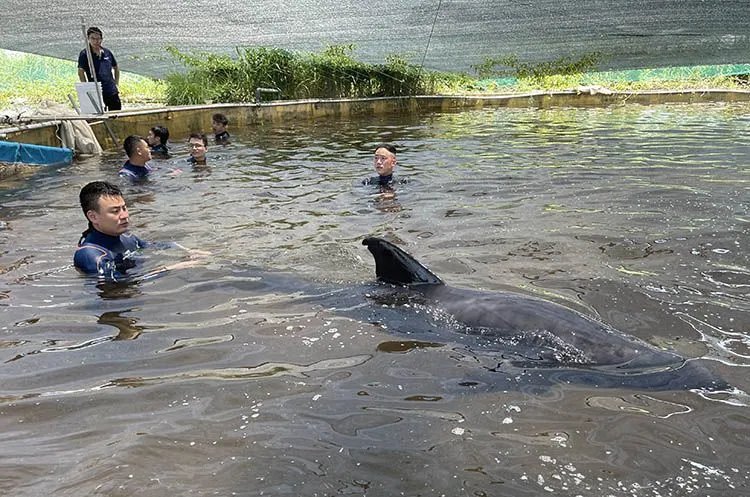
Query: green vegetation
[[510, 74], [563, 73], [333, 73], [511, 66], [29, 79]]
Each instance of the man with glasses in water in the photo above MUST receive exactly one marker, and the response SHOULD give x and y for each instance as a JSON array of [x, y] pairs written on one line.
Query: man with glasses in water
[[107, 248], [197, 146], [105, 67]]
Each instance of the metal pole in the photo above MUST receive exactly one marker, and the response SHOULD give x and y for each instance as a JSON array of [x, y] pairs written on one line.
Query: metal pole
[[99, 107], [112, 135], [73, 103]]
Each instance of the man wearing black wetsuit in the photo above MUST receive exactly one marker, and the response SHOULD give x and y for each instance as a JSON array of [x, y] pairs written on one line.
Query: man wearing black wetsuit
[[139, 153], [197, 145], [157, 140], [385, 163], [106, 248], [219, 123]]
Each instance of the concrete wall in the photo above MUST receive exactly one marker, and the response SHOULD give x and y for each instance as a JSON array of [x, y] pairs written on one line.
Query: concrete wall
[[181, 121]]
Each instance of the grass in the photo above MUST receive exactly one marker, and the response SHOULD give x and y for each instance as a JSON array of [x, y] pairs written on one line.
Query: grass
[[509, 73], [27, 79], [332, 73], [577, 81]]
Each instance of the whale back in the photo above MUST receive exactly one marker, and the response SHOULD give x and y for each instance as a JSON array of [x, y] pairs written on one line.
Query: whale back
[[393, 265], [552, 332]]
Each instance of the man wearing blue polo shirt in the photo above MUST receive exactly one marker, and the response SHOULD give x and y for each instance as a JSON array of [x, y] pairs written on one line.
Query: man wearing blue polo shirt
[[105, 67]]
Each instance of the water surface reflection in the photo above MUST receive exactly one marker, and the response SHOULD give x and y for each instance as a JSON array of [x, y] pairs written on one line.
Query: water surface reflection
[[223, 380]]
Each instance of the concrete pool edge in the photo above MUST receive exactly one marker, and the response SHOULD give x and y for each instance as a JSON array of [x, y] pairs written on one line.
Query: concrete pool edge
[[182, 120]]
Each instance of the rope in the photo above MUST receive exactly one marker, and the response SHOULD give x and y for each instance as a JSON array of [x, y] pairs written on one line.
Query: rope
[[429, 38]]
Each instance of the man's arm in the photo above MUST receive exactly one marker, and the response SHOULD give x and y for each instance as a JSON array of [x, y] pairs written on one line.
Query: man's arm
[[82, 64], [196, 258], [116, 70], [193, 253]]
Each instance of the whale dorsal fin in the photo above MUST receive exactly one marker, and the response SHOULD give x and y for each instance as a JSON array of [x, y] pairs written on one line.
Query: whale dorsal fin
[[393, 265]]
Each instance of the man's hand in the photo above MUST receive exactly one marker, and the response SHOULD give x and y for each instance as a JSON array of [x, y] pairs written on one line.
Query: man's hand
[[193, 253], [183, 265], [198, 254]]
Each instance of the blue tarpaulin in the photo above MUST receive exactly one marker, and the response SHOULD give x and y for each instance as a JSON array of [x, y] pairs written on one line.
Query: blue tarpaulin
[[25, 153]]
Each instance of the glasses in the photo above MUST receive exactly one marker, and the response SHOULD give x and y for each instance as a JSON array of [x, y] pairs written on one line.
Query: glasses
[[382, 158], [95, 38]]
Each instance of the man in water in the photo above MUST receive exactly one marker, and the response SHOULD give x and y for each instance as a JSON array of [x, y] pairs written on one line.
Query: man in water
[[107, 248], [385, 163], [105, 67], [139, 153], [219, 123], [198, 146], [157, 140]]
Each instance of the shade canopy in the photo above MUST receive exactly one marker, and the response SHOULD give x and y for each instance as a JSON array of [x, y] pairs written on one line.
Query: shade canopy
[[447, 35]]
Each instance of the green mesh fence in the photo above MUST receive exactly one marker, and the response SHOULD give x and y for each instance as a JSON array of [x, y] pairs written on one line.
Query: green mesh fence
[[669, 73], [655, 75]]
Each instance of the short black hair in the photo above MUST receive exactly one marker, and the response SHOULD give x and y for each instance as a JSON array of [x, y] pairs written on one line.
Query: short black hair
[[94, 29], [388, 147], [220, 118], [130, 143], [200, 136], [162, 133], [92, 192]]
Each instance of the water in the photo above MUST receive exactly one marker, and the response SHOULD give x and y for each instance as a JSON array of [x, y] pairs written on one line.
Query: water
[[217, 380], [450, 36]]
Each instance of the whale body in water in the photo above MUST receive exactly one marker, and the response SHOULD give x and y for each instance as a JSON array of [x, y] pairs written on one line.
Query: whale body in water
[[569, 345], [501, 340]]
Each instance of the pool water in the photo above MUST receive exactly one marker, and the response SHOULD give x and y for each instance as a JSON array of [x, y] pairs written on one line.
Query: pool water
[[239, 377]]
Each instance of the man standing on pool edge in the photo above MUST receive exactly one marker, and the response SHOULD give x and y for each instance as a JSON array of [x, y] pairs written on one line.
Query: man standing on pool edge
[[105, 67], [106, 248]]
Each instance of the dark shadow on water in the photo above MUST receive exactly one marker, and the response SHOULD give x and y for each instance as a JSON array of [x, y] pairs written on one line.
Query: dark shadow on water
[[127, 326], [118, 290]]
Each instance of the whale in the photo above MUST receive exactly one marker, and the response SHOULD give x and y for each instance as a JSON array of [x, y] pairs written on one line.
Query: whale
[[528, 332], [487, 341]]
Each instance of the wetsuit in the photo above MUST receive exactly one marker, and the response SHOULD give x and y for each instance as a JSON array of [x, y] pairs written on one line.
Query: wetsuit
[[383, 181], [134, 172], [107, 256], [103, 65], [160, 149], [192, 160], [222, 137]]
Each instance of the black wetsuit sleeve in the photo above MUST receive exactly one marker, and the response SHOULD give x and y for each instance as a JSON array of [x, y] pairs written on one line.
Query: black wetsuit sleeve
[[99, 262]]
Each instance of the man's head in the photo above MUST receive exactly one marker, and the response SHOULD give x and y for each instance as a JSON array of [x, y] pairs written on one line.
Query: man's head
[[104, 207], [158, 135], [385, 159], [94, 36], [219, 123], [198, 145], [137, 150]]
